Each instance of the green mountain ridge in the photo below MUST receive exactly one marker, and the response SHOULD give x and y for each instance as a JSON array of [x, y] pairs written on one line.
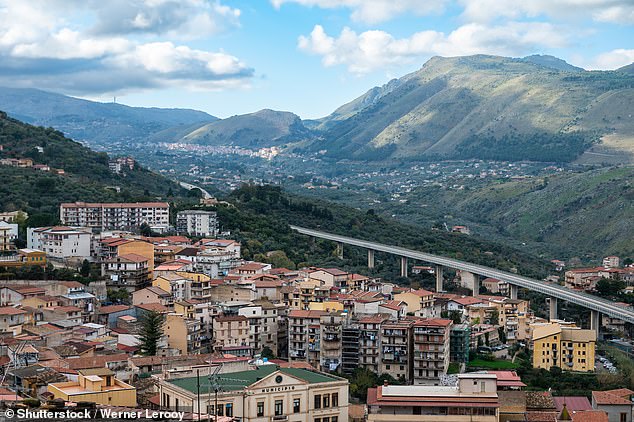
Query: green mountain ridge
[[486, 107]]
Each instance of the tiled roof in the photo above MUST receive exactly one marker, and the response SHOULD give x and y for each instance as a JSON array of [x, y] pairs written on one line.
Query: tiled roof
[[589, 416], [113, 308], [9, 310], [613, 397]]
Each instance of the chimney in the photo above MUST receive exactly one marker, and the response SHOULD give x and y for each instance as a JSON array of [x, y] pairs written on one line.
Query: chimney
[[385, 383]]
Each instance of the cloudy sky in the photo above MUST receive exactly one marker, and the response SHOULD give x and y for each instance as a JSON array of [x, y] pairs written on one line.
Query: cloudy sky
[[307, 56]]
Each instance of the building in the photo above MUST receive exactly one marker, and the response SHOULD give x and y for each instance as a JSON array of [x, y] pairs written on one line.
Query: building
[[11, 320], [13, 216], [616, 403], [304, 335], [128, 272], [60, 242], [570, 348], [370, 342], [396, 349], [183, 334], [459, 343], [268, 393], [330, 351], [197, 223], [431, 339], [611, 262], [97, 385], [116, 216], [24, 258], [350, 345], [263, 325], [231, 335], [419, 302], [474, 398], [8, 234]]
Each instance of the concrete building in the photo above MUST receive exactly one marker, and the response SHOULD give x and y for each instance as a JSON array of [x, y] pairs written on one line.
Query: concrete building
[[231, 335], [459, 343], [431, 339], [419, 302], [8, 234], [183, 334], [474, 398], [130, 272], [197, 223], [330, 351], [61, 242], [97, 385], [370, 342], [611, 262], [269, 393], [116, 216], [616, 403], [396, 349], [11, 320], [570, 348], [304, 336], [263, 325]]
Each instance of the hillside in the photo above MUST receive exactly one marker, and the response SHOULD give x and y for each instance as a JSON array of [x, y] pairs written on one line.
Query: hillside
[[490, 108], [86, 174], [264, 128], [93, 122]]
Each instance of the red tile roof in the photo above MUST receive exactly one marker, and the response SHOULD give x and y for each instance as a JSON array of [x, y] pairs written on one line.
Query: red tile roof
[[620, 396], [573, 403], [132, 257], [296, 313], [9, 310], [113, 308], [589, 416]]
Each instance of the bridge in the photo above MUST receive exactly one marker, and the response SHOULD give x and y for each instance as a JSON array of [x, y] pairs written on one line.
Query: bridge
[[554, 291]]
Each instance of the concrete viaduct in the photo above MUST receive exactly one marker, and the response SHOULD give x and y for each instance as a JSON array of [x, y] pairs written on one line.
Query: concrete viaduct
[[555, 292]]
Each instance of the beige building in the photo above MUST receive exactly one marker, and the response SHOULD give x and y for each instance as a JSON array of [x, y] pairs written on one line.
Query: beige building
[[419, 302], [116, 216], [265, 394], [570, 348], [431, 350], [11, 320], [396, 349], [231, 335], [263, 325], [304, 335], [97, 385], [183, 334]]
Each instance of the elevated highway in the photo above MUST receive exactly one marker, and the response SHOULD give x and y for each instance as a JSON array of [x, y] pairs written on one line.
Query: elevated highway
[[552, 290]]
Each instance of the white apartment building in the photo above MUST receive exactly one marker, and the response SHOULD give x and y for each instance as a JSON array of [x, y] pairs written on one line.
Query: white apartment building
[[61, 242], [116, 216], [197, 223], [8, 234]]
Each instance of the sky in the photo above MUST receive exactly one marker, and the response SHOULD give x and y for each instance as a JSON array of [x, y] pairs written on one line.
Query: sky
[[230, 57]]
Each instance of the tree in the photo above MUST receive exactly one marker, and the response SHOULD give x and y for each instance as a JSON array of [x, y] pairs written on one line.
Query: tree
[[145, 230], [267, 353], [151, 332], [495, 317], [85, 268], [502, 335], [119, 296]]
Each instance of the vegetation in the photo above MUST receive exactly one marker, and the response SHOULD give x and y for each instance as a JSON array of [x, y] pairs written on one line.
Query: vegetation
[[362, 379], [151, 332], [495, 364]]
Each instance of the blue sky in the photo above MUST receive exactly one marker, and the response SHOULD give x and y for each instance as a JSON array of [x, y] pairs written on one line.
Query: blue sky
[[230, 57]]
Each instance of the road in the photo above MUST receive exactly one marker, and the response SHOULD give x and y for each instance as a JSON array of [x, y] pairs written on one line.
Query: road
[[189, 186], [550, 289]]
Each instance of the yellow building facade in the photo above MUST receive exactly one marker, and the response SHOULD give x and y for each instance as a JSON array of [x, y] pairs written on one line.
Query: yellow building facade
[[96, 386], [141, 248], [570, 348]]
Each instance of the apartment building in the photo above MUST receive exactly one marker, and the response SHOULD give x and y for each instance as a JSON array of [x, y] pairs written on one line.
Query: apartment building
[[431, 338], [116, 216], [197, 223], [370, 342], [304, 335], [396, 349], [419, 302], [8, 234], [130, 272], [570, 348], [263, 325], [231, 335], [11, 320], [474, 398], [331, 347], [350, 345], [97, 385], [183, 334], [268, 393], [61, 242], [459, 343]]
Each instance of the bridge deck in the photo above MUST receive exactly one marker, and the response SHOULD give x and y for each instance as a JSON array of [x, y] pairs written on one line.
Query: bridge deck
[[550, 289]]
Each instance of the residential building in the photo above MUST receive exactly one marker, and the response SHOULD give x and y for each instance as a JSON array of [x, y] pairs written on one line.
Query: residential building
[[459, 343], [350, 346], [268, 393], [116, 216], [152, 294], [13, 216], [97, 385], [616, 403], [24, 258], [370, 342], [570, 348], [61, 242], [474, 398], [419, 302], [330, 350], [303, 336], [14, 295], [11, 320], [396, 349], [263, 325], [183, 334], [128, 272], [431, 339], [8, 234], [231, 335], [330, 277], [611, 262], [197, 223]]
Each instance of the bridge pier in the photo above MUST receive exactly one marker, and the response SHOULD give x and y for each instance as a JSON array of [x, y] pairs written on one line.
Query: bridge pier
[[403, 266], [340, 250], [439, 278], [595, 321], [553, 309], [513, 291], [370, 258], [476, 285]]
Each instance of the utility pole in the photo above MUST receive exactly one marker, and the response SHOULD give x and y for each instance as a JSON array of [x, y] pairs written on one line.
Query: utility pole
[[198, 391]]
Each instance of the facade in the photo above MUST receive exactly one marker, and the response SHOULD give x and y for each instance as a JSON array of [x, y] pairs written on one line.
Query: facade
[[61, 242], [231, 335], [370, 342], [475, 398], [396, 349], [128, 272], [330, 352], [304, 336], [419, 302], [459, 343], [268, 393], [97, 385], [431, 339], [197, 223], [263, 326], [11, 320], [183, 334], [8, 234], [570, 348], [616, 403], [116, 216]]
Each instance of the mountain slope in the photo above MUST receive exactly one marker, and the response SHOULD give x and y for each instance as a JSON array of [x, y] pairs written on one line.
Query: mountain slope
[[482, 107], [551, 62], [93, 122], [86, 176], [264, 128]]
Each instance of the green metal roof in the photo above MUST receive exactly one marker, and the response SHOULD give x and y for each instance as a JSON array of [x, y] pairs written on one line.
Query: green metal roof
[[234, 381]]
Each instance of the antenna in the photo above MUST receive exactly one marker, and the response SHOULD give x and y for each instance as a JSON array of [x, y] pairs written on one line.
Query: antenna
[[114, 99]]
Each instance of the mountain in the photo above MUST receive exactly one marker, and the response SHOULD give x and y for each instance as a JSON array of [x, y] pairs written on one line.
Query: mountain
[[551, 62], [627, 69], [86, 174], [488, 107], [264, 128], [93, 122]]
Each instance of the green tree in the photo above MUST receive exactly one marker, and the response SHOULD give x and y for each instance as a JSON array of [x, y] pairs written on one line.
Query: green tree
[[85, 268], [145, 230], [267, 353], [151, 332], [119, 296]]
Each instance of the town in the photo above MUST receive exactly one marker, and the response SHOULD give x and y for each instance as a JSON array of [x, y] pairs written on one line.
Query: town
[[159, 313]]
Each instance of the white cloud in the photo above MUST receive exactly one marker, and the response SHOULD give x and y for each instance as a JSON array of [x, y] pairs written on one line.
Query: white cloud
[[372, 50], [374, 11], [617, 11], [38, 45], [613, 59]]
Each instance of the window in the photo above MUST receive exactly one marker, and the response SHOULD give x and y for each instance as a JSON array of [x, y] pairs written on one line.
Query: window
[[623, 417], [260, 408], [326, 401], [296, 405], [229, 409], [334, 419], [317, 401], [335, 399], [279, 407]]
